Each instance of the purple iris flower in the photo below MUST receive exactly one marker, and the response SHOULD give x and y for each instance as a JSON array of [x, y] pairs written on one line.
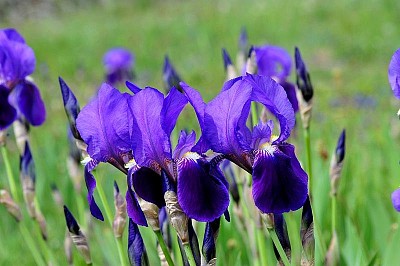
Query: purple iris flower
[[201, 187], [104, 126], [19, 97], [396, 199], [394, 73], [118, 63], [275, 62], [279, 182]]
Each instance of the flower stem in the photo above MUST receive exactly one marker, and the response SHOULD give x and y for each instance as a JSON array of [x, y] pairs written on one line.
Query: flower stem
[[10, 176], [293, 226], [279, 247], [164, 248], [31, 244], [107, 209], [333, 214], [262, 249], [189, 254]]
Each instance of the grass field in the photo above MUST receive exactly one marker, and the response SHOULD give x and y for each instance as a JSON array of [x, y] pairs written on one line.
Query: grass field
[[347, 46]]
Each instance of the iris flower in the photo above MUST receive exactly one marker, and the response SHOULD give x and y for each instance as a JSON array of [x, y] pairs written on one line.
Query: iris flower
[[279, 184], [19, 97], [118, 63], [275, 62], [201, 187], [103, 124]]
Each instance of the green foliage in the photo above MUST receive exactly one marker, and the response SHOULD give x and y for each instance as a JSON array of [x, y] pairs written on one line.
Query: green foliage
[[347, 46]]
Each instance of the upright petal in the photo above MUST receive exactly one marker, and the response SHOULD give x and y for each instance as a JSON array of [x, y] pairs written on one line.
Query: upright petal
[[118, 58], [195, 100], [262, 133], [173, 105], [202, 189], [279, 183], [7, 113], [103, 125], [273, 96], [273, 61], [13, 35], [26, 99], [17, 60], [394, 73], [224, 116], [170, 76], [149, 141], [185, 144], [132, 87], [290, 90]]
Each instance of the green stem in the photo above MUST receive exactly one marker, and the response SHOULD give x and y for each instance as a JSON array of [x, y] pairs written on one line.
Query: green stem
[[279, 247], [333, 214], [164, 248], [10, 176], [254, 115], [107, 209], [189, 254], [262, 249], [31, 244], [293, 221]]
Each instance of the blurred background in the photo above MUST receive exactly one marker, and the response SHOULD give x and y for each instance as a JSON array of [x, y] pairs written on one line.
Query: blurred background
[[346, 44]]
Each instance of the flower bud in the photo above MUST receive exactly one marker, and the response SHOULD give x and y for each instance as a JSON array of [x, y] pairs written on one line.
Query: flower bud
[[170, 76], [28, 178], [11, 206], [71, 107], [150, 211], [120, 212], [177, 217], [78, 238], [21, 132], [251, 64], [337, 163], [229, 68]]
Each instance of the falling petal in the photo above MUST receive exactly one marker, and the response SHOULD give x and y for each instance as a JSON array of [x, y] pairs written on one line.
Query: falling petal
[[91, 185], [136, 250], [8, 114]]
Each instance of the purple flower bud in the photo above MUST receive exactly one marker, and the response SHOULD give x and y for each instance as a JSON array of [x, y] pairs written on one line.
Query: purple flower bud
[[227, 58], [72, 224], [118, 63], [170, 76], [209, 248], [71, 107], [396, 199], [28, 179], [303, 77], [341, 148], [243, 40]]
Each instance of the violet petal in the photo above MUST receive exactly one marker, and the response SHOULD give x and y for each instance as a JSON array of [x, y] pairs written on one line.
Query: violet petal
[[91, 185], [26, 99], [173, 105], [148, 185], [7, 113], [202, 193], [396, 199], [273, 61], [132, 205], [185, 144], [394, 73], [279, 183]]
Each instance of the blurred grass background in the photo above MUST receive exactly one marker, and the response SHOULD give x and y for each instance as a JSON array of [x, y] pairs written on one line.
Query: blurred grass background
[[346, 44]]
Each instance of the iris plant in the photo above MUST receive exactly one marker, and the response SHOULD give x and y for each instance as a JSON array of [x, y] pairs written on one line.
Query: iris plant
[[19, 96], [279, 184]]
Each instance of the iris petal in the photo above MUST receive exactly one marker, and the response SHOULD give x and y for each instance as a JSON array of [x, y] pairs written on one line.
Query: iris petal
[[202, 189], [394, 73], [132, 205], [148, 185], [291, 94], [273, 96], [103, 126], [173, 105], [396, 199], [7, 113], [91, 185], [149, 141], [273, 61], [279, 183], [185, 144], [26, 99]]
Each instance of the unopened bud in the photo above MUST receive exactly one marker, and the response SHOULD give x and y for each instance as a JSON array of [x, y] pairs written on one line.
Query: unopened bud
[[170, 76], [178, 218], [251, 64], [3, 136], [10, 205], [42, 224], [120, 212], [68, 248], [337, 163], [71, 107], [229, 68], [28, 178], [78, 238]]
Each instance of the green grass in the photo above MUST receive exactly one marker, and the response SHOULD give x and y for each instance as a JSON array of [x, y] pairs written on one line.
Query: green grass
[[347, 46]]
